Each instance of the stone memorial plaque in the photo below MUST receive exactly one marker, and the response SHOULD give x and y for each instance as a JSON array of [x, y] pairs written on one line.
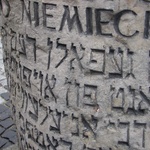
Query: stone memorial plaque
[[79, 73]]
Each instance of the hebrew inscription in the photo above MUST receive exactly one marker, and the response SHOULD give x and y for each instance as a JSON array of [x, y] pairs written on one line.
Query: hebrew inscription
[[78, 73]]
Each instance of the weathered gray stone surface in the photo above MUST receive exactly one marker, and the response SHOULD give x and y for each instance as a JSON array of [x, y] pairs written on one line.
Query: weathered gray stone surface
[[79, 73], [13, 147]]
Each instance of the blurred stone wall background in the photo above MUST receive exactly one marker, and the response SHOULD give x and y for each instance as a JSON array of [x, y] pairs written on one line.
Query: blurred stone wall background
[[7, 128]]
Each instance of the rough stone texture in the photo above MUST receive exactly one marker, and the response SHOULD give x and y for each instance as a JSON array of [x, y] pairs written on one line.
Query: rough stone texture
[[79, 73], [13, 147]]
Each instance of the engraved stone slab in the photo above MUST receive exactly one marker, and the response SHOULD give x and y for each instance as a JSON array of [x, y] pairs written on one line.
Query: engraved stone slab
[[79, 73]]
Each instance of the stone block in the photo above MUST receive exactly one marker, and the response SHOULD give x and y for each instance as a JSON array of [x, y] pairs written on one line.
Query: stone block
[[78, 73]]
